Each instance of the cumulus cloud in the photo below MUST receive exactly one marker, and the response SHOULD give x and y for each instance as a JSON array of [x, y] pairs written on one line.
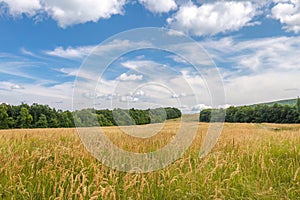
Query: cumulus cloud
[[288, 13], [199, 107], [213, 18], [67, 12], [28, 7], [158, 6], [130, 77]]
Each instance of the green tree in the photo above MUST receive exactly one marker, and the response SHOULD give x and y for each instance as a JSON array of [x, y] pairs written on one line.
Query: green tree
[[3, 117], [53, 122], [11, 122], [42, 122], [123, 118], [66, 119], [205, 115], [298, 105], [25, 118], [86, 118], [104, 121]]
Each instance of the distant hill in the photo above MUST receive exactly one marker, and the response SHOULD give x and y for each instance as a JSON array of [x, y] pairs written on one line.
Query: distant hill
[[290, 102]]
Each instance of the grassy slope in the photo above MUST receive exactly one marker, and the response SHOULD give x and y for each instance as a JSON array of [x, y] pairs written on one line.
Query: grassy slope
[[282, 102], [248, 162]]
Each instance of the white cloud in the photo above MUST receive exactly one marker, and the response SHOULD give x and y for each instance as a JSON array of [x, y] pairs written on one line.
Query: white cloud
[[142, 64], [258, 70], [128, 99], [28, 7], [278, 53], [10, 86], [26, 52], [95, 50], [178, 59], [176, 96], [288, 12], [69, 71], [263, 87], [158, 6], [67, 12], [16, 65], [16, 87], [15, 94], [213, 18], [133, 64], [140, 93], [148, 68], [199, 107], [130, 77], [71, 52]]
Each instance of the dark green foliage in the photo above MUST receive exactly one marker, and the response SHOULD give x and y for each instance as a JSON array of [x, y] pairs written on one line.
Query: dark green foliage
[[298, 105], [276, 113], [158, 115], [139, 117], [212, 115], [25, 119], [66, 119], [124, 117], [3, 117], [205, 115], [42, 116], [86, 118], [173, 113], [106, 118], [103, 121], [42, 122], [34, 116]]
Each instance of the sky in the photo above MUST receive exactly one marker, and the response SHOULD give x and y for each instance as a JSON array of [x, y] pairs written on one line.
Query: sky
[[211, 53]]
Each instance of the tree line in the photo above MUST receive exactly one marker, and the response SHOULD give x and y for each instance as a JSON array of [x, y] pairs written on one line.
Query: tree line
[[122, 117], [42, 116], [261, 113]]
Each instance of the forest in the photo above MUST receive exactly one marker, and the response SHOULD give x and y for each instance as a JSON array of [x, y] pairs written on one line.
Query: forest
[[42, 116], [260, 113]]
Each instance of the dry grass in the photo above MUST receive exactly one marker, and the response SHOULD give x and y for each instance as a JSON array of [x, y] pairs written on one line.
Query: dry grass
[[249, 162]]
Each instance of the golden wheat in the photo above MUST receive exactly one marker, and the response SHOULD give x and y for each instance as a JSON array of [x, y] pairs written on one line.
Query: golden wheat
[[249, 161]]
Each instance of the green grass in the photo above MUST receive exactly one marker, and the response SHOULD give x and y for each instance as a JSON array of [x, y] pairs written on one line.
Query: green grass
[[290, 102], [247, 163]]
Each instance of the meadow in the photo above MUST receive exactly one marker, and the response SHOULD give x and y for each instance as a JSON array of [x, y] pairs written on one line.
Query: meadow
[[249, 161]]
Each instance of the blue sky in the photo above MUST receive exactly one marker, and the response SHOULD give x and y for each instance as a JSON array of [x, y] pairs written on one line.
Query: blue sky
[[255, 46]]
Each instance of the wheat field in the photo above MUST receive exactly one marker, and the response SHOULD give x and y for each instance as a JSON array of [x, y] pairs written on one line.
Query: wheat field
[[249, 161]]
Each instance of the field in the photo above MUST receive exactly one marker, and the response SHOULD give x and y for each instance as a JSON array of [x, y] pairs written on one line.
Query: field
[[250, 161]]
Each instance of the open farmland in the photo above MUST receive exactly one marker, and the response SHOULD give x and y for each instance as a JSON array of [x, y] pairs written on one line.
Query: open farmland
[[250, 161]]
